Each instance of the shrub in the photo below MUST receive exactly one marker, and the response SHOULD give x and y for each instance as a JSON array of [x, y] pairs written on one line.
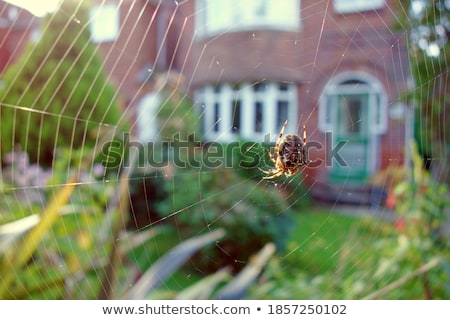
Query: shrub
[[62, 81], [252, 214]]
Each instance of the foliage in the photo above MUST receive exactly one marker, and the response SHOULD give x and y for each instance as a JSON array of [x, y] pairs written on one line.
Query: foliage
[[429, 53], [247, 158], [196, 188], [422, 203], [251, 213], [35, 263], [405, 259], [21, 187], [56, 94], [146, 191], [177, 117], [389, 267], [77, 248]]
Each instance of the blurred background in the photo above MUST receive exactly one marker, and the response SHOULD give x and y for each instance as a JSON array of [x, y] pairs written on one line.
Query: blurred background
[[132, 135]]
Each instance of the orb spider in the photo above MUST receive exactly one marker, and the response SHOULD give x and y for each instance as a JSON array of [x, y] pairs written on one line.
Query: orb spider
[[289, 154]]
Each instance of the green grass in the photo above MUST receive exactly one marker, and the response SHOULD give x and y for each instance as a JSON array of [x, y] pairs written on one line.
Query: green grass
[[323, 238], [320, 242]]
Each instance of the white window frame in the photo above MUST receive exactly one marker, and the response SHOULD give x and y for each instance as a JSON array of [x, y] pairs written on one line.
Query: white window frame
[[146, 119], [351, 6], [214, 16], [223, 95], [370, 85], [104, 22]]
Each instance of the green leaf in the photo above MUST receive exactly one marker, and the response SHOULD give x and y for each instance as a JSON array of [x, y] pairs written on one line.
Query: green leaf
[[169, 263], [237, 288]]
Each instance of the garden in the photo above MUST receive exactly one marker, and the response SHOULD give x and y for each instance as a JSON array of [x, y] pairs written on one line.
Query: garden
[[85, 216]]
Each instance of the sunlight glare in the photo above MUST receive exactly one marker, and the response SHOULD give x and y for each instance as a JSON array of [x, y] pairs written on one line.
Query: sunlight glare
[[38, 8]]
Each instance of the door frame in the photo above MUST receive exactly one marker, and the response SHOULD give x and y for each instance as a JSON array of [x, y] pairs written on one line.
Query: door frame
[[355, 83]]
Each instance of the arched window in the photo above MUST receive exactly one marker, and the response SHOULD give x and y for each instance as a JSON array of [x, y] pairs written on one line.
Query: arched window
[[358, 89]]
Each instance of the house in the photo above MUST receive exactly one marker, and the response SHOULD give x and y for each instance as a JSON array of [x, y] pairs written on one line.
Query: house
[[336, 66], [17, 28]]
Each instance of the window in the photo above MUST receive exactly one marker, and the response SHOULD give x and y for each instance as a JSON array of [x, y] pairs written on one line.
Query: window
[[247, 110], [349, 6], [146, 119], [104, 24], [220, 16], [353, 92], [236, 116]]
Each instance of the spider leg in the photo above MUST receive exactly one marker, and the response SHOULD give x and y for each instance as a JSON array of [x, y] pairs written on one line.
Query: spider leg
[[272, 158], [267, 171], [290, 173], [280, 135], [304, 134], [273, 175]]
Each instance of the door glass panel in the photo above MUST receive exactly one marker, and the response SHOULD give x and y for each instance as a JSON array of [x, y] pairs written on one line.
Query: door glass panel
[[351, 124], [352, 114]]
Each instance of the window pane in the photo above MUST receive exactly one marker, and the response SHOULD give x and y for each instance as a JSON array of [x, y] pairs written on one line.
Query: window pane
[[284, 86], [236, 116], [216, 117], [104, 24], [258, 116], [282, 113], [259, 87], [215, 16], [346, 6]]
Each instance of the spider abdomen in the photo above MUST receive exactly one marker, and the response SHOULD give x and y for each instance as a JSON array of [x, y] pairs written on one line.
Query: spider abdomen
[[289, 156], [291, 151]]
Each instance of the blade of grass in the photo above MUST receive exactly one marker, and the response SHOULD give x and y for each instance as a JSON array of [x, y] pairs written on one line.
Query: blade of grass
[[202, 289], [383, 291], [13, 231], [170, 262], [236, 288], [16, 259], [119, 209]]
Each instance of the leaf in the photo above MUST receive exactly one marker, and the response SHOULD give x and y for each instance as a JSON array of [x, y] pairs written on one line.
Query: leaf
[[169, 263], [11, 232], [239, 285], [26, 248], [131, 240], [202, 289], [401, 188]]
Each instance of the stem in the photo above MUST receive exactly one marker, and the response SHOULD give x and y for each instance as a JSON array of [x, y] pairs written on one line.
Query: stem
[[423, 269]]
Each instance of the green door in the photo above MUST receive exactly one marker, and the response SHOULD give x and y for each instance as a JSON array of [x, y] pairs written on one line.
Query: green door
[[351, 126]]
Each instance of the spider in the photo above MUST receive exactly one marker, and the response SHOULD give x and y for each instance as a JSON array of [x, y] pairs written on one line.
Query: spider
[[289, 154]]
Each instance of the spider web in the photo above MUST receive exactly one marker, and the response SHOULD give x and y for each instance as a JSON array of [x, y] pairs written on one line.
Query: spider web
[[296, 191]]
